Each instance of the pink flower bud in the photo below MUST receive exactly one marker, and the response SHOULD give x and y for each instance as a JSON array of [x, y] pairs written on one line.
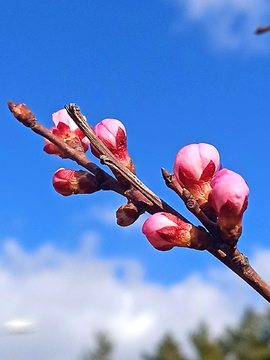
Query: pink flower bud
[[194, 168], [66, 129], [229, 198], [164, 231], [67, 182], [127, 214], [113, 134]]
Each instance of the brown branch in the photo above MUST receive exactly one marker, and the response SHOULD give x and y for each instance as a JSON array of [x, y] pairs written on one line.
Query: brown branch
[[107, 182], [228, 255], [78, 156], [239, 264], [262, 30]]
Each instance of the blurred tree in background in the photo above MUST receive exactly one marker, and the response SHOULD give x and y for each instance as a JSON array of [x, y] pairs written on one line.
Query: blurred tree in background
[[103, 349], [206, 348], [168, 349], [250, 340]]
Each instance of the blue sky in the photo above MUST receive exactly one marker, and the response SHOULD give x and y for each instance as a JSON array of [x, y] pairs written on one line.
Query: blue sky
[[174, 72]]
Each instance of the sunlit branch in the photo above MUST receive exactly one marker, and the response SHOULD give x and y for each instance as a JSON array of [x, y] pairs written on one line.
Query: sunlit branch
[[138, 193]]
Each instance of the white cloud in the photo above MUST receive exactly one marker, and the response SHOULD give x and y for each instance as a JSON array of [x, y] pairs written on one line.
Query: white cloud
[[71, 296], [19, 326], [229, 24]]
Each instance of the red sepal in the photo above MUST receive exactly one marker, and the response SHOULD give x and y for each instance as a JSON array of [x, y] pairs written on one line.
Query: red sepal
[[208, 171]]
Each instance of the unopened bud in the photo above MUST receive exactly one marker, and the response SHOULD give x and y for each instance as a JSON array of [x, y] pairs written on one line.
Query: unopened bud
[[127, 214], [229, 198], [22, 113], [194, 168], [68, 182], [164, 231], [113, 135]]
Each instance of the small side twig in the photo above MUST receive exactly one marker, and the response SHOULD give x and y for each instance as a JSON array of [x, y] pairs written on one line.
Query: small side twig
[[189, 201], [262, 30]]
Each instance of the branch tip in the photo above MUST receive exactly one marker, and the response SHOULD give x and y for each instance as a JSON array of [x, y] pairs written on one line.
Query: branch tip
[[262, 30], [22, 113]]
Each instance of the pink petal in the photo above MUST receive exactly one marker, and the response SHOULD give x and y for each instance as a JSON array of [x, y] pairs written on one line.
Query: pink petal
[[62, 116]]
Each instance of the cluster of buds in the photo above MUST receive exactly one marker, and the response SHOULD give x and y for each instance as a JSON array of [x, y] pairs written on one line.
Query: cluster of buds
[[68, 182], [110, 131], [196, 168], [226, 192], [217, 196]]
